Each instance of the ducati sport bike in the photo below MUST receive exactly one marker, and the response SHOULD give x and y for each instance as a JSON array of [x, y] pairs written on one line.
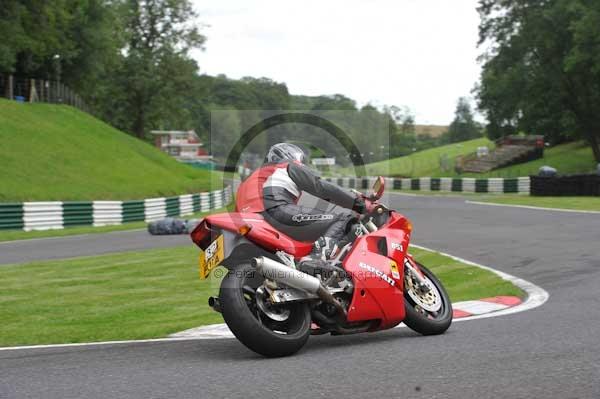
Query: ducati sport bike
[[272, 300]]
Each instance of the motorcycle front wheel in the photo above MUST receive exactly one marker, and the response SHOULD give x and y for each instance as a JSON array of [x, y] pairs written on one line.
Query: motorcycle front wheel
[[428, 312], [271, 331]]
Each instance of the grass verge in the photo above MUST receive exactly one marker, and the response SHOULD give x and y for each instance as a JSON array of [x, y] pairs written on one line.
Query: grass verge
[[149, 294], [570, 203]]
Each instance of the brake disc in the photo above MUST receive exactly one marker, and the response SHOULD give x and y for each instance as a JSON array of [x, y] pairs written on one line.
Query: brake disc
[[429, 300], [276, 313]]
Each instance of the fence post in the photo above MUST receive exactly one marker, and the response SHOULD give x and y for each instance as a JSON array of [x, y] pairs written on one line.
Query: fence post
[[10, 87], [33, 96]]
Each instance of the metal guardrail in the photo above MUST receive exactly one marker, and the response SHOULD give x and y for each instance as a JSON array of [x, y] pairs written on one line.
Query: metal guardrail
[[57, 214], [519, 185], [568, 185]]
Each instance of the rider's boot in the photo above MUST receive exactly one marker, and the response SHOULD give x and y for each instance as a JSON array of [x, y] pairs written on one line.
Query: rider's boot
[[317, 262], [325, 248]]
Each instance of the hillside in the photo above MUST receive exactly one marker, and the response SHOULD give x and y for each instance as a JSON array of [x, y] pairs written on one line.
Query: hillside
[[55, 152], [570, 158], [427, 162]]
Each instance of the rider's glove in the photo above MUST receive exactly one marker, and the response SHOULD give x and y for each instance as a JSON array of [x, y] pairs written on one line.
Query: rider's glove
[[363, 205], [359, 205], [369, 205]]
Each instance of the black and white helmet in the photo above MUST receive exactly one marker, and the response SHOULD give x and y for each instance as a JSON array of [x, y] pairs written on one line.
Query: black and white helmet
[[281, 152]]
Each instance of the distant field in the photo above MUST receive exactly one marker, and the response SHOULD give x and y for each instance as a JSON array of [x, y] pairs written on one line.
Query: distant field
[[55, 152], [427, 162], [431, 130]]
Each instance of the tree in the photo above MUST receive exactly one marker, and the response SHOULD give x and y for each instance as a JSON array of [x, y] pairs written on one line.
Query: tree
[[403, 137], [463, 127], [67, 40], [33, 32], [95, 29], [541, 73], [155, 70]]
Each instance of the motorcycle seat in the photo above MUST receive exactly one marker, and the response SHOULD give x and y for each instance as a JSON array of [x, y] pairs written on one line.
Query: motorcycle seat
[[261, 232]]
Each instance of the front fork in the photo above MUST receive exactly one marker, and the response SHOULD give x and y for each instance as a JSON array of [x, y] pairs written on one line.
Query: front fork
[[416, 273]]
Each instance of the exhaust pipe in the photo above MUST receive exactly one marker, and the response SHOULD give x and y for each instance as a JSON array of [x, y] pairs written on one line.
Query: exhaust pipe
[[281, 273]]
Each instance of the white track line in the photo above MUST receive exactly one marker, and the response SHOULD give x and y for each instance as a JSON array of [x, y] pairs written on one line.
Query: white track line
[[536, 296], [478, 307], [538, 208]]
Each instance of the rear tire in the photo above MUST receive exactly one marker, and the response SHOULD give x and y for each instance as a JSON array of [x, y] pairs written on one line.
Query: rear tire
[[252, 327], [422, 322]]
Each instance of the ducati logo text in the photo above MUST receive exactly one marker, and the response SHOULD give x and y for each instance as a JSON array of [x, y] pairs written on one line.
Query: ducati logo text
[[378, 273]]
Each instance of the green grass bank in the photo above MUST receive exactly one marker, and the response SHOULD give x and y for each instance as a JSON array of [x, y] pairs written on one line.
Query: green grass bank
[[56, 152]]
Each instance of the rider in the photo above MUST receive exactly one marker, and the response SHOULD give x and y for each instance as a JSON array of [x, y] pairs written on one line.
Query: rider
[[275, 188]]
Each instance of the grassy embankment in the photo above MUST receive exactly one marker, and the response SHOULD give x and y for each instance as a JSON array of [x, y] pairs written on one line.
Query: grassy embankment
[[426, 162], [149, 294], [55, 152], [570, 158]]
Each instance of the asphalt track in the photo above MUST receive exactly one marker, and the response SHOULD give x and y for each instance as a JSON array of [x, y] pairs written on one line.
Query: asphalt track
[[552, 351], [85, 245]]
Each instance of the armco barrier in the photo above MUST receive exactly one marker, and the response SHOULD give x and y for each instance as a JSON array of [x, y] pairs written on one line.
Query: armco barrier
[[518, 185], [569, 185], [57, 214]]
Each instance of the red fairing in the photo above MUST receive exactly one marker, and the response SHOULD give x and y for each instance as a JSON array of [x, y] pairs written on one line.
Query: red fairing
[[249, 197], [378, 289], [261, 232]]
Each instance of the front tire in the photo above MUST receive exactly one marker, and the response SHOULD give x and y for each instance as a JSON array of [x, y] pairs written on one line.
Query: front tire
[[251, 325], [421, 320]]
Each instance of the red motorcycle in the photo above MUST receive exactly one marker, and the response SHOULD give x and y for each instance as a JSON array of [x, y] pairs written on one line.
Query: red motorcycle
[[272, 301]]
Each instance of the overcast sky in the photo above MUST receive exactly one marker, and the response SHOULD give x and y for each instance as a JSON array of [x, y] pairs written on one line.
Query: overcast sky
[[416, 53]]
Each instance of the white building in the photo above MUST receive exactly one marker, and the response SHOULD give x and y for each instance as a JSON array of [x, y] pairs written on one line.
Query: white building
[[183, 146]]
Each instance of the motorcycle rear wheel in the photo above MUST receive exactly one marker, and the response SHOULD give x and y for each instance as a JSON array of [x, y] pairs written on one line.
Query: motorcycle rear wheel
[[259, 331], [423, 321]]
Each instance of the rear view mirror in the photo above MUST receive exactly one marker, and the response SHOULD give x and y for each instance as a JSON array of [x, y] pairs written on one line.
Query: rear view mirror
[[378, 188]]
